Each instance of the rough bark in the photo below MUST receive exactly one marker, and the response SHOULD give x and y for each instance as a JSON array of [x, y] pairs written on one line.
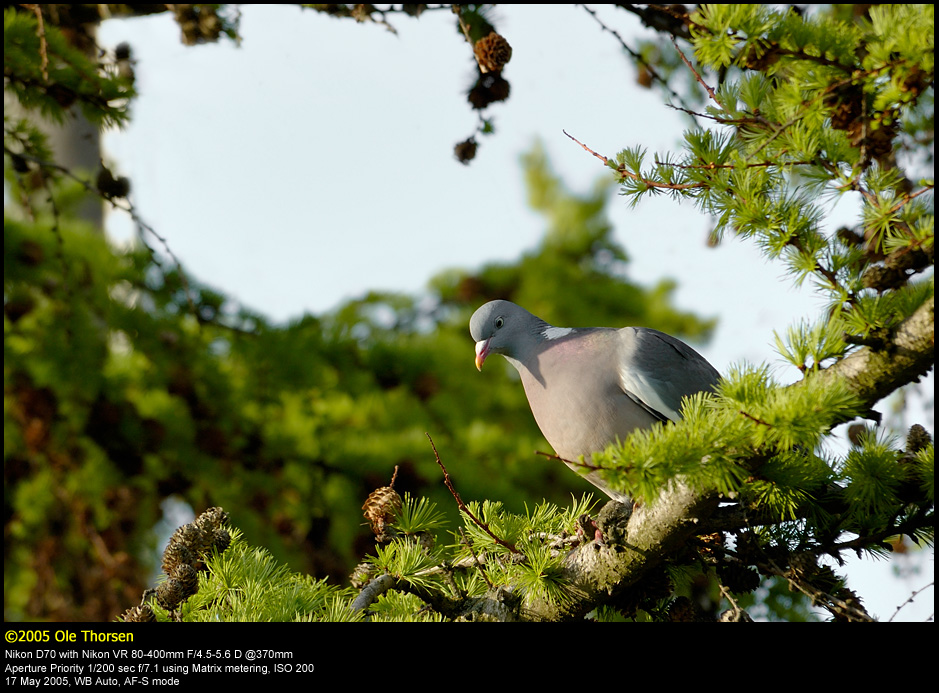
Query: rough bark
[[905, 358]]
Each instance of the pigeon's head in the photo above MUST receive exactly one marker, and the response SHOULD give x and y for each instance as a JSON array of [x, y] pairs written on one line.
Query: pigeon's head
[[501, 327]]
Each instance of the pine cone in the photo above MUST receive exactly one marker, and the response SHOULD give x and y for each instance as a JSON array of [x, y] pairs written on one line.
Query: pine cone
[[380, 508], [169, 594], [362, 574], [465, 151], [882, 278], [212, 522], [492, 53], [186, 545], [917, 439], [738, 579], [488, 89], [222, 540], [175, 555], [212, 519], [188, 580], [847, 105], [139, 614], [682, 611], [714, 542]]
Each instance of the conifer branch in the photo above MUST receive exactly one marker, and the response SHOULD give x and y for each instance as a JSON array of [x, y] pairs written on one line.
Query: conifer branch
[[626, 173], [908, 355], [572, 463], [385, 582], [373, 590], [598, 572], [697, 75], [847, 609], [463, 507]]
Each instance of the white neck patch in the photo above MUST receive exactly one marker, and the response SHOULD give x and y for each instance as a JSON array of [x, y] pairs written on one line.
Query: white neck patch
[[556, 332]]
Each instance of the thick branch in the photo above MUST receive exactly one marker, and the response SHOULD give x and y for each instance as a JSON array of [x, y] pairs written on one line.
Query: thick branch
[[910, 354], [598, 571]]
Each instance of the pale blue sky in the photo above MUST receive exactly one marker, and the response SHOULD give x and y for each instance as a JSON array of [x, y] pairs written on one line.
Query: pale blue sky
[[315, 162]]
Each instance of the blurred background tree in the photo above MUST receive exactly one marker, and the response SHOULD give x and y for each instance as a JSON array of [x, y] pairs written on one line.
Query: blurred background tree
[[128, 383]]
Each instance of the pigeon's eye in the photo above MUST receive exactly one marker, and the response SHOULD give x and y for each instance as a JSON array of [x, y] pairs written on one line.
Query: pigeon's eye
[[499, 322]]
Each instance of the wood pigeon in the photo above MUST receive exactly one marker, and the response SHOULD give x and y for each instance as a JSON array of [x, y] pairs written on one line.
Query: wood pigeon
[[589, 387]]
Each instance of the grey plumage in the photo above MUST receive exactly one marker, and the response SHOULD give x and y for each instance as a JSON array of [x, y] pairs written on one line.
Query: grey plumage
[[588, 387]]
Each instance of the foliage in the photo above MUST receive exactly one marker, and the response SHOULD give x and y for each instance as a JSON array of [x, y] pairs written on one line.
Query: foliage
[[127, 382], [246, 583], [63, 76], [807, 109]]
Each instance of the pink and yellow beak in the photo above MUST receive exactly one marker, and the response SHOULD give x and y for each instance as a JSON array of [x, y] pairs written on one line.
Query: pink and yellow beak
[[482, 351]]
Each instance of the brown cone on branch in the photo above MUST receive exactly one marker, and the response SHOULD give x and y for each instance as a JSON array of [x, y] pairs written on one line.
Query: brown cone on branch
[[380, 508], [492, 53]]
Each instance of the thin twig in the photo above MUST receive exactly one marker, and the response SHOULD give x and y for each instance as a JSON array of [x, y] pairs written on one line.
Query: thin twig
[[759, 164], [831, 603], [639, 59], [622, 170], [753, 418], [711, 93], [739, 614], [910, 600], [599, 156], [458, 11], [41, 34], [904, 199], [142, 226], [463, 508], [578, 463]]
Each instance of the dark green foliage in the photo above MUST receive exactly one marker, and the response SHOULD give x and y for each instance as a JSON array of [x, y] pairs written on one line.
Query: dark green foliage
[[127, 382], [63, 76]]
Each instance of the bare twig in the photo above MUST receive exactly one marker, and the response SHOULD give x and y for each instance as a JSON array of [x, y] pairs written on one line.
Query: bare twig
[[738, 614], [711, 93], [599, 156], [578, 463], [463, 508], [639, 59], [622, 170], [906, 198], [41, 34], [910, 600]]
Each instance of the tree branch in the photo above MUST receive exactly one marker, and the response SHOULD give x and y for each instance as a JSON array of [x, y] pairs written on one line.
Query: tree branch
[[598, 572], [463, 507], [905, 358]]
